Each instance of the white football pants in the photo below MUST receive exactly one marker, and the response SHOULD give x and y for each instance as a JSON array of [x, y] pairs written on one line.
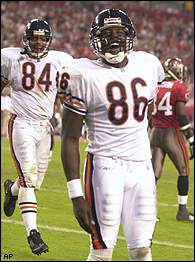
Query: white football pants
[[30, 145], [120, 191]]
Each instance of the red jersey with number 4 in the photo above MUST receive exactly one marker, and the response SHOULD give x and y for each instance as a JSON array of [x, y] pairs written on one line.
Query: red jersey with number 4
[[169, 92]]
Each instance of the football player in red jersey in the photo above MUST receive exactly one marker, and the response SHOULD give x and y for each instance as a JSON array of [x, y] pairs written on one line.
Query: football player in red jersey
[[171, 129]]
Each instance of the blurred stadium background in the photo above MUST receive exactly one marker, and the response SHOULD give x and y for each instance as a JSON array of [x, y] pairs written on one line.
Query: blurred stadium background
[[164, 28]]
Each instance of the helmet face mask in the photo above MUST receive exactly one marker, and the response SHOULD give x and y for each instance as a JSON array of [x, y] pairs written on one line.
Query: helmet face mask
[[112, 35], [175, 69], [37, 38]]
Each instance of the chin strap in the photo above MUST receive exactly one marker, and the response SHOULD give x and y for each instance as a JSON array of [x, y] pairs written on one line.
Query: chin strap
[[114, 59]]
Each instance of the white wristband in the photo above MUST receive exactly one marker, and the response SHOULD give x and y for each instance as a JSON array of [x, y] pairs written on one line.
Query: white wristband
[[74, 188], [191, 139]]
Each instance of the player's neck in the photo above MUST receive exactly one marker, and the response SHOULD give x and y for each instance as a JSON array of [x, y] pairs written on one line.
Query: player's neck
[[119, 65]]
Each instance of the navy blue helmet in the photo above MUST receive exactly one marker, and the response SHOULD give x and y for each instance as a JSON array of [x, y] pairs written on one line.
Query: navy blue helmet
[[111, 18], [37, 38]]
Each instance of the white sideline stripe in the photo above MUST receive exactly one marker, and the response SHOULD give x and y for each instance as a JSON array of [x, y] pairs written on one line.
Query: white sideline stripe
[[67, 230], [174, 183], [62, 191], [53, 190], [159, 204], [168, 205], [171, 205]]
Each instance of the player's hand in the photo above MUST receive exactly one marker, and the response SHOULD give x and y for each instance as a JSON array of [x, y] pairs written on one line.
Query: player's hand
[[83, 214], [5, 91], [191, 148], [4, 83]]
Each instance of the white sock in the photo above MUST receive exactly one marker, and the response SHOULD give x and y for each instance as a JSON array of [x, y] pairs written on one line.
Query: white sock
[[15, 188], [182, 200], [100, 254], [140, 254], [28, 206]]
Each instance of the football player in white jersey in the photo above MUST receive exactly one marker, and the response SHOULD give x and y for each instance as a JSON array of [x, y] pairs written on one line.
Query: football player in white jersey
[[113, 94], [32, 72]]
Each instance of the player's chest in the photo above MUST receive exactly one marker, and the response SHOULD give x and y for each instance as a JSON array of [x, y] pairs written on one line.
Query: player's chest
[[120, 87], [30, 75]]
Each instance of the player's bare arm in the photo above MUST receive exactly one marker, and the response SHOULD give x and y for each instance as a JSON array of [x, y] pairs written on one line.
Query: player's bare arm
[[5, 91], [71, 131], [185, 126], [4, 82], [150, 110]]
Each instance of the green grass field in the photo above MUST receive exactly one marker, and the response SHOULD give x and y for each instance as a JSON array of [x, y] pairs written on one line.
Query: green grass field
[[172, 241]]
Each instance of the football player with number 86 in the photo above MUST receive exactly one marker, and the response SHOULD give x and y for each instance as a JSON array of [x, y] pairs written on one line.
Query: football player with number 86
[[113, 95]]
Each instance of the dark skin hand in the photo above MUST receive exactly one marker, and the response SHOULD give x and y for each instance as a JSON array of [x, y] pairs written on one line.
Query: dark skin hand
[[83, 214], [5, 91], [71, 130], [4, 83]]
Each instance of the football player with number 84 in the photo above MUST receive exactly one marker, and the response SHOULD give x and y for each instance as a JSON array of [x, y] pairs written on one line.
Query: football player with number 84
[[32, 73]]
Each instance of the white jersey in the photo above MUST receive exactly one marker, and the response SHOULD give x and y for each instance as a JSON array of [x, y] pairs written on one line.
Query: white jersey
[[33, 81], [114, 102]]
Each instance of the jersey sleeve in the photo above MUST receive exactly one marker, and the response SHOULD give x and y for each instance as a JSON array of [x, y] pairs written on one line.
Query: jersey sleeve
[[181, 92], [75, 91], [160, 71], [68, 60], [158, 78]]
